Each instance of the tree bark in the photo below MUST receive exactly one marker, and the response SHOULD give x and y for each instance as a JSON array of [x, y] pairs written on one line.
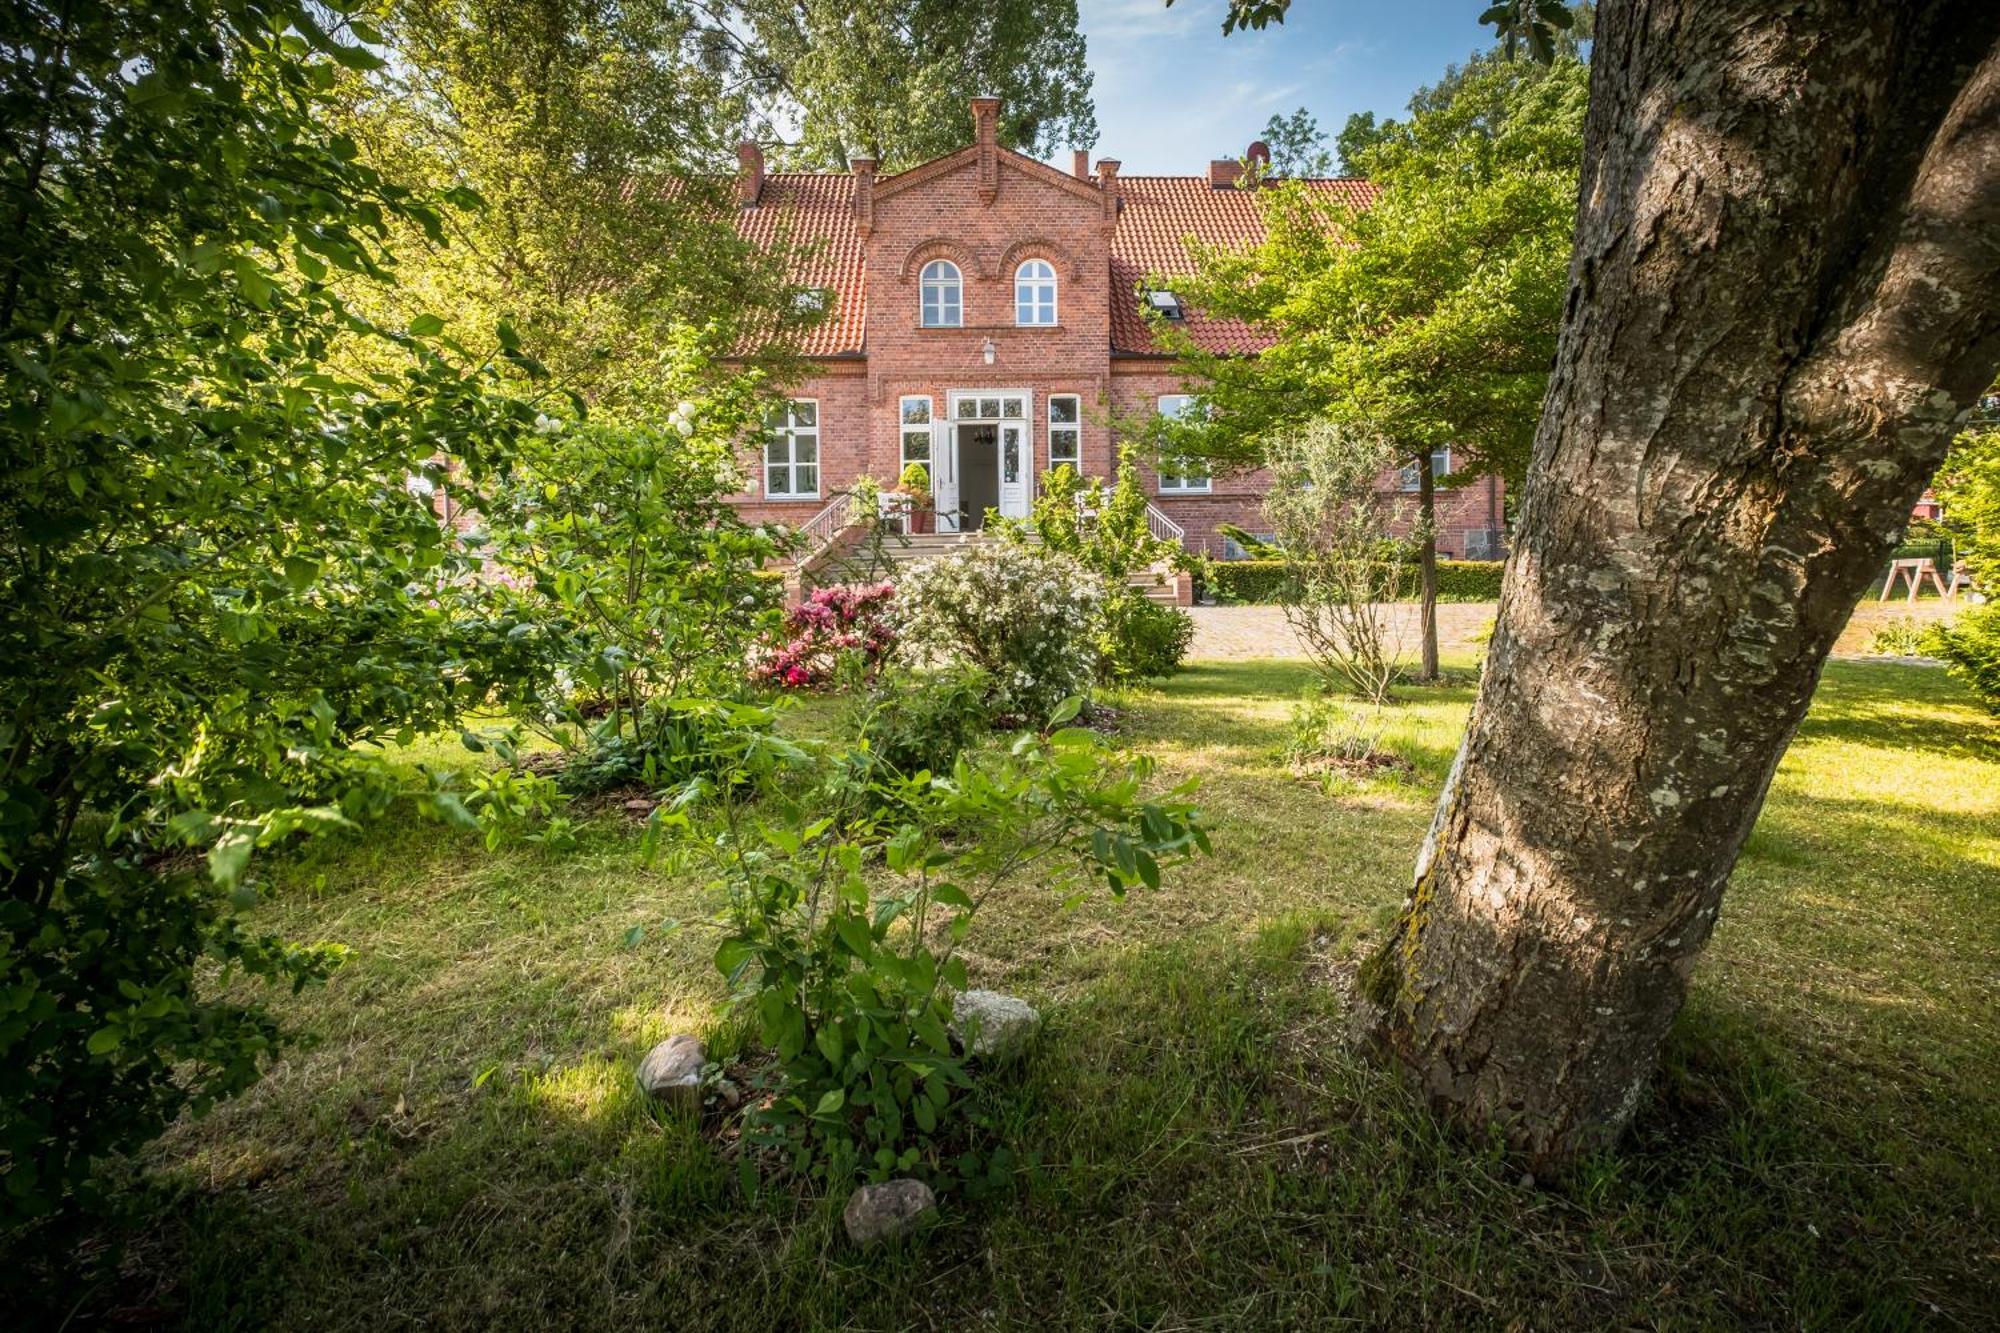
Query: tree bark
[[1427, 563], [1783, 298]]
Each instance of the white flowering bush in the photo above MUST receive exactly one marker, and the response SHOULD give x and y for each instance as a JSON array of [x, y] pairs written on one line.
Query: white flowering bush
[[1030, 618]]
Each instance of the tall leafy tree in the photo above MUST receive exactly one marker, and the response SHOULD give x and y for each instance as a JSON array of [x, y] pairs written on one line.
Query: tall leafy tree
[[218, 567], [1428, 318], [1298, 145], [596, 133], [890, 78]]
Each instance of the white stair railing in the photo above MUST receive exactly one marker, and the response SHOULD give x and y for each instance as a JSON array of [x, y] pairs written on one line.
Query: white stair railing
[[1163, 528], [824, 528]]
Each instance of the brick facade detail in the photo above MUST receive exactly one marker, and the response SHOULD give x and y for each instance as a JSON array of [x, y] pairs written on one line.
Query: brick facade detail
[[987, 210]]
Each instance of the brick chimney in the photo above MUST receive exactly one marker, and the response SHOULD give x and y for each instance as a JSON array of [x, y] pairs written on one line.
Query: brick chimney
[[1260, 156], [1080, 164], [985, 134], [750, 179], [1223, 172], [1107, 180], [864, 193]]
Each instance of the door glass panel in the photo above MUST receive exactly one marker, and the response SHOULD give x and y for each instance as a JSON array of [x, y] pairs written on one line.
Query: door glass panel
[[1010, 456]]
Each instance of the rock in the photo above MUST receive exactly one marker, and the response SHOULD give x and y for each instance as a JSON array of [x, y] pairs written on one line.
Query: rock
[[886, 1211], [639, 805], [991, 1025], [671, 1072]]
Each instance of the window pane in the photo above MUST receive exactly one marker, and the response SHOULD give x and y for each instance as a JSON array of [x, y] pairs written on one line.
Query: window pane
[[808, 479], [805, 449], [916, 446], [989, 407], [1062, 446], [1062, 407], [777, 481], [916, 410], [778, 449], [1010, 458], [804, 413], [1024, 313], [968, 408], [1012, 407]]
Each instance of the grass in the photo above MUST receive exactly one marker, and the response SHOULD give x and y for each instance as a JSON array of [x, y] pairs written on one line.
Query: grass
[[463, 1146]]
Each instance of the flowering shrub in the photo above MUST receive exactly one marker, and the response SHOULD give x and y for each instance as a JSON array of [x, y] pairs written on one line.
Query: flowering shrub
[[831, 622], [1029, 617]]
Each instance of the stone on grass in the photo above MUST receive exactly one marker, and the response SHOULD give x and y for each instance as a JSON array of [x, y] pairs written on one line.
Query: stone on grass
[[886, 1211], [992, 1026], [671, 1072]]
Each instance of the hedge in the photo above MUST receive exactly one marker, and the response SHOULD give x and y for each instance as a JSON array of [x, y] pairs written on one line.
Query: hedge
[[1260, 580]]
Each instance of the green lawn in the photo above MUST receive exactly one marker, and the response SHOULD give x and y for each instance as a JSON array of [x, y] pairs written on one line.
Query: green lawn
[[463, 1147]]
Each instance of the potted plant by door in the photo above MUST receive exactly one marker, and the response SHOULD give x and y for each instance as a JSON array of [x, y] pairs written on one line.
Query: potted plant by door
[[916, 484]]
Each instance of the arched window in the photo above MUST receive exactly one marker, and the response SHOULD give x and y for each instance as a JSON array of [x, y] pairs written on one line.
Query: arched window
[[1035, 293], [943, 306]]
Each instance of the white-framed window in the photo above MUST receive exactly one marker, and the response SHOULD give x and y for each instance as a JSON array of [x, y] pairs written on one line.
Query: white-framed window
[[1440, 466], [1035, 292], [791, 451], [915, 412], [1066, 432], [943, 295], [1188, 478]]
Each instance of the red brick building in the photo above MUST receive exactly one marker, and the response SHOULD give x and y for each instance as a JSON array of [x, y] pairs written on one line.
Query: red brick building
[[985, 321]]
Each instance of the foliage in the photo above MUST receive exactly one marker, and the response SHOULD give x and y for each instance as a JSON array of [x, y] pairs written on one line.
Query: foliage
[[890, 79], [1105, 529], [1298, 145], [831, 624], [1970, 491], [916, 480], [593, 130], [1142, 639], [221, 573], [623, 571], [1028, 616], [1428, 318], [852, 892], [922, 722], [1253, 546], [1329, 522], [1263, 581]]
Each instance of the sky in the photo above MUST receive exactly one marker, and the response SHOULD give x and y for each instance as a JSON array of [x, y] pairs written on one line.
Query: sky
[[1172, 92]]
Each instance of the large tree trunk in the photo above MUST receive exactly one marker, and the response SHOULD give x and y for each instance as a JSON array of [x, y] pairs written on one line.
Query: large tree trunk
[[1783, 296]]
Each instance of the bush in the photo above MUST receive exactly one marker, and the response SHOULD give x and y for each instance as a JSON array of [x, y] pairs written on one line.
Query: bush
[[856, 1007], [832, 623], [1970, 646], [1142, 639], [923, 723], [675, 741], [1261, 582], [1030, 618]]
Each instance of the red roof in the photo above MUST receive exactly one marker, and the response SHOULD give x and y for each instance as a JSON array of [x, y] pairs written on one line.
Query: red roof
[[817, 212], [1158, 214]]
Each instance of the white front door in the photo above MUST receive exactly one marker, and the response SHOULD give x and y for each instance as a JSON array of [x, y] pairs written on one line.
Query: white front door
[[944, 475], [1010, 410], [1016, 466]]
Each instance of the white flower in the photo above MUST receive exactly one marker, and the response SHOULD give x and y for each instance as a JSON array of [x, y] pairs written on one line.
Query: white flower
[[546, 424], [684, 427]]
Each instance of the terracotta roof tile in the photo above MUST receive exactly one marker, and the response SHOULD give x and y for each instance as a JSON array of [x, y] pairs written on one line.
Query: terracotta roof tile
[[817, 212], [1159, 214]]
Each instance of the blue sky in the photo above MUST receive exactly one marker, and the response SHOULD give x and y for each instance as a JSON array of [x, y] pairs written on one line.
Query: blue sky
[[1173, 92]]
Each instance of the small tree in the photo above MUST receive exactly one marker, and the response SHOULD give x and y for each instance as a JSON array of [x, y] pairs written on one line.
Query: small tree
[[1341, 571]]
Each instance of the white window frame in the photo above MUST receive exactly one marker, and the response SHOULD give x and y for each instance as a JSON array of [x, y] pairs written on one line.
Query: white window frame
[[1412, 480], [908, 426], [1073, 428], [1179, 483], [793, 432], [941, 276], [1040, 289]]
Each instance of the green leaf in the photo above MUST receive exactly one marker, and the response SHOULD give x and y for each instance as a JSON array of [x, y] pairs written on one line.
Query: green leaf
[[104, 1041], [830, 1102], [426, 326]]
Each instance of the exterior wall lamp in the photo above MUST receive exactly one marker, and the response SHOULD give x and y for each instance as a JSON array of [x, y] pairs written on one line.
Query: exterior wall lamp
[[988, 351]]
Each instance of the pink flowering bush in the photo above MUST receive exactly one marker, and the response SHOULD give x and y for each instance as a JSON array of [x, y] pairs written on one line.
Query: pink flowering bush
[[831, 623]]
